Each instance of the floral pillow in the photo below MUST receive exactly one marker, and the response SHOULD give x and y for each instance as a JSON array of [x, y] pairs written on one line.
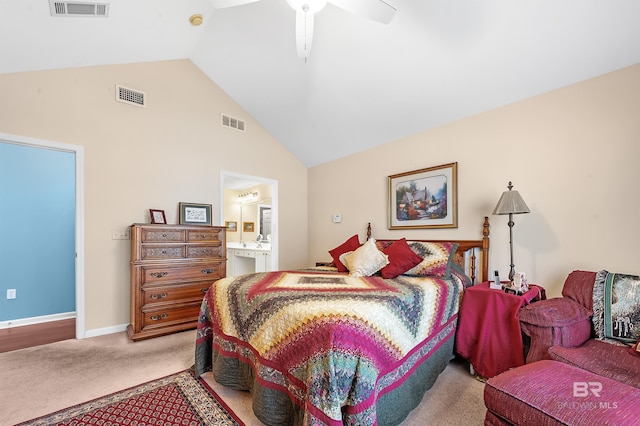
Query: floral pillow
[[436, 258], [350, 245], [365, 260]]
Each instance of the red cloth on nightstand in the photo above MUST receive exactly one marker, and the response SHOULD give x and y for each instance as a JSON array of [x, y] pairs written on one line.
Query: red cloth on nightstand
[[488, 333]]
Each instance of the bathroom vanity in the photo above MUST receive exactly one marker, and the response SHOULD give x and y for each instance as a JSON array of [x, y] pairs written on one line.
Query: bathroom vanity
[[248, 258]]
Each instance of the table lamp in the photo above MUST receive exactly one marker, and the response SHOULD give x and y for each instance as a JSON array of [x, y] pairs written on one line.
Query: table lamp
[[511, 203]]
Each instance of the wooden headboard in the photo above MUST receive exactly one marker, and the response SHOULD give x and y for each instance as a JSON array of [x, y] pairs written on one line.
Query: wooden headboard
[[472, 255]]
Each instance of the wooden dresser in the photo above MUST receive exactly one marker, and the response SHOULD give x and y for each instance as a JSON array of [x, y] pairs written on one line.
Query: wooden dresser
[[172, 266]]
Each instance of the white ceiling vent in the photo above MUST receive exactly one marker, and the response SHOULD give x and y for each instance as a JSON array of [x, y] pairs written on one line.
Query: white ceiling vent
[[130, 96], [76, 8], [233, 123]]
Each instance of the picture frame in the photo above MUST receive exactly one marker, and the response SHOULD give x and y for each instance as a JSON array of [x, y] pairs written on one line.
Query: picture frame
[[232, 226], [195, 214], [248, 226], [157, 216], [425, 198]]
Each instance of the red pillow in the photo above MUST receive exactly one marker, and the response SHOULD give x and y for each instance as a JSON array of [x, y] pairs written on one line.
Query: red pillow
[[635, 349], [350, 245], [401, 259]]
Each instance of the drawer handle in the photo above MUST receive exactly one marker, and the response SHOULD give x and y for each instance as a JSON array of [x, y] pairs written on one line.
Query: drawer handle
[[159, 295], [204, 290], [208, 271], [163, 252], [159, 317], [164, 235], [159, 274]]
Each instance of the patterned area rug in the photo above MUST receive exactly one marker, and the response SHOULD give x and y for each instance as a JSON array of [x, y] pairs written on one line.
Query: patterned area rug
[[180, 399]]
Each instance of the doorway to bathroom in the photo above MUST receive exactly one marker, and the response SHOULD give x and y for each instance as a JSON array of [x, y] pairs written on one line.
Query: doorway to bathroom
[[249, 209]]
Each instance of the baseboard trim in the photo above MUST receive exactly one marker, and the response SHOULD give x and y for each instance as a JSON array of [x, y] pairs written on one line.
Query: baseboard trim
[[36, 320], [106, 330]]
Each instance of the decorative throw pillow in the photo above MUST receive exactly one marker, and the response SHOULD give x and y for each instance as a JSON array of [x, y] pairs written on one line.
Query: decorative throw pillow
[[366, 260], [401, 259], [616, 307], [350, 245], [436, 258]]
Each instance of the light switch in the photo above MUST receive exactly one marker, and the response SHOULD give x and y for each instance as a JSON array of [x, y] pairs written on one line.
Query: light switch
[[120, 235]]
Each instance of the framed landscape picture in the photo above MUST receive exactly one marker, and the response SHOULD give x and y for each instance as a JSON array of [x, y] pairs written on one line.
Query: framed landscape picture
[[425, 198], [232, 226], [195, 214]]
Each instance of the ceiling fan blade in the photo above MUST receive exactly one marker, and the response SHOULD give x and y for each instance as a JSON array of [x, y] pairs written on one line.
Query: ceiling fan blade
[[304, 33], [377, 10], [222, 4]]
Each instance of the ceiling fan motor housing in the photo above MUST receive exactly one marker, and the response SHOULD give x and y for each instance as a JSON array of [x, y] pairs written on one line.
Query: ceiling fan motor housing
[[307, 6]]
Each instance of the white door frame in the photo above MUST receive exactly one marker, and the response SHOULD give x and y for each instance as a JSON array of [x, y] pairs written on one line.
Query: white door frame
[[274, 208], [79, 163]]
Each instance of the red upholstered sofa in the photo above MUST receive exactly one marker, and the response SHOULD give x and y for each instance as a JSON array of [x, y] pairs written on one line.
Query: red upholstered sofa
[[571, 377]]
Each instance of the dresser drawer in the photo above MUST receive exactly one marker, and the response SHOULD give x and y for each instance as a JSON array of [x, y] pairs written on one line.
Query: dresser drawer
[[168, 294], [150, 235], [205, 235], [208, 271], [208, 251], [187, 312], [160, 252]]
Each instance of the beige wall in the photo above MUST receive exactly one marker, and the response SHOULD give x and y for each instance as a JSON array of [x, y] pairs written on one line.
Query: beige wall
[[572, 154], [155, 157]]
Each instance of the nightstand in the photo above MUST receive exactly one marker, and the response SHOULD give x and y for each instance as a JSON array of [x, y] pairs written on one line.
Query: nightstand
[[488, 333]]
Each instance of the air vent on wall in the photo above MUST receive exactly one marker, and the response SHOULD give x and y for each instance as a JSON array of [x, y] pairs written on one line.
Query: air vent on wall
[[69, 8], [130, 96], [233, 123]]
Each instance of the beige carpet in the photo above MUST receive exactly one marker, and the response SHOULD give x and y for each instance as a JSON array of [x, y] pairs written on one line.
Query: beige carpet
[[37, 381]]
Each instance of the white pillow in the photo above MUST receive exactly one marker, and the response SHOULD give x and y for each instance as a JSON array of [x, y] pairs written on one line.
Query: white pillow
[[366, 260]]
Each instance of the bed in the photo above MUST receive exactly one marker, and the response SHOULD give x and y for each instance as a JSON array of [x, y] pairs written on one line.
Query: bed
[[329, 346]]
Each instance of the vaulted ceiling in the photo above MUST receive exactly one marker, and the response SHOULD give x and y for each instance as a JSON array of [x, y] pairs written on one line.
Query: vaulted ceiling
[[364, 83]]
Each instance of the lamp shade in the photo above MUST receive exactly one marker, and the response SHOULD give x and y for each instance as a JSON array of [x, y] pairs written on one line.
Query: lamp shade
[[511, 202]]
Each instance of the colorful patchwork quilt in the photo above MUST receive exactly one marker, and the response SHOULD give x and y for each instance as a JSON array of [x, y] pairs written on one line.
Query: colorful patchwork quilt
[[333, 343]]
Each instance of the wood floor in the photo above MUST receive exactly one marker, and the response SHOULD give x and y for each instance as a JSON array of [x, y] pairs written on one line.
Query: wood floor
[[38, 334]]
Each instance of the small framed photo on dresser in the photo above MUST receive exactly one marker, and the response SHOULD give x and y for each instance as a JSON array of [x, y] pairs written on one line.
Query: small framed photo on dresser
[[157, 216]]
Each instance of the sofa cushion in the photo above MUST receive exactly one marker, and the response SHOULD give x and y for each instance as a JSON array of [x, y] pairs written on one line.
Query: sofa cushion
[[616, 306], [545, 393], [579, 287], [602, 358]]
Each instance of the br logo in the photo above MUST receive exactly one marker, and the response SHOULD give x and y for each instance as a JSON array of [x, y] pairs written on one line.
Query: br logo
[[582, 389]]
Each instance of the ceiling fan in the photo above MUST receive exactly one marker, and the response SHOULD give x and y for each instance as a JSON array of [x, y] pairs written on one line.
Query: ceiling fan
[[377, 10]]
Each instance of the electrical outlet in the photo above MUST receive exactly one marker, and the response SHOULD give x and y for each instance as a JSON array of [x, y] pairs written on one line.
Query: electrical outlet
[[337, 218], [11, 293]]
